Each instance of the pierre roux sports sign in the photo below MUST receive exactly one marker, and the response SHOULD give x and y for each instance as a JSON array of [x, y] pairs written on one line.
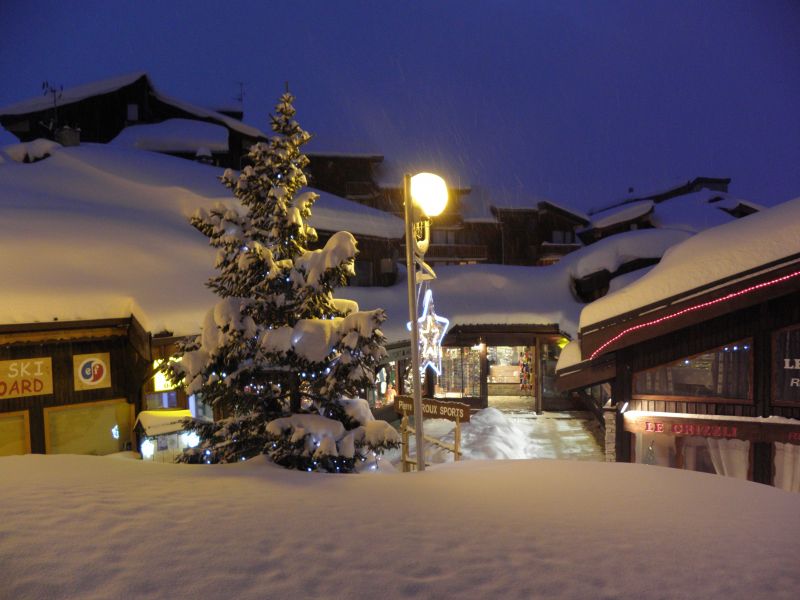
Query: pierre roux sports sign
[[26, 377], [434, 409], [91, 371]]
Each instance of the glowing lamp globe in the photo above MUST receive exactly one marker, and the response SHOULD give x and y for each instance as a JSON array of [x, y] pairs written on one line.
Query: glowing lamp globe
[[429, 192]]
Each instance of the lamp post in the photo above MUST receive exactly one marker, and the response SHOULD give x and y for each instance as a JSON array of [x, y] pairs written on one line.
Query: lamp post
[[429, 193]]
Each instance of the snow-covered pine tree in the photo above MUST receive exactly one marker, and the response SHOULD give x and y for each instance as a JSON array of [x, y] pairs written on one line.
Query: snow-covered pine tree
[[279, 359]]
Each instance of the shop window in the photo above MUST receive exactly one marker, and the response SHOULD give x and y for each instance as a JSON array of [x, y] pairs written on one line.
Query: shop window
[[786, 366], [15, 435], [504, 363], [722, 374], [461, 373], [728, 457], [94, 428], [787, 467]]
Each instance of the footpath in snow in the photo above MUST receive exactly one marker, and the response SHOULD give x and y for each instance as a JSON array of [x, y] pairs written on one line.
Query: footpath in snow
[[516, 432]]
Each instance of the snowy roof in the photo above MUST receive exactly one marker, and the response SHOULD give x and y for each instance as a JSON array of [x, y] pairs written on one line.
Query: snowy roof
[[705, 258], [574, 212], [333, 213], [614, 251], [101, 231], [511, 295], [73, 94], [389, 173], [476, 207], [604, 219], [174, 135], [105, 86], [570, 355], [159, 422], [692, 212]]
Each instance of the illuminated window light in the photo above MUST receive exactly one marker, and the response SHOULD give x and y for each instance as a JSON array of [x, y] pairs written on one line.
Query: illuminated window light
[[190, 439], [115, 432], [148, 448], [730, 296]]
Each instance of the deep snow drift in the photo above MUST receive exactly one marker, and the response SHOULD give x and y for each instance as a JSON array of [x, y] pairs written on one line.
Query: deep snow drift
[[99, 527]]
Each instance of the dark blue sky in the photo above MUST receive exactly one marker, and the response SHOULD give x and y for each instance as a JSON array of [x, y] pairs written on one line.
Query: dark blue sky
[[575, 101]]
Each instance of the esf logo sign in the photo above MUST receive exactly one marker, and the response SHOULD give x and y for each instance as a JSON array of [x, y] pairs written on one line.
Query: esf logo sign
[[92, 371]]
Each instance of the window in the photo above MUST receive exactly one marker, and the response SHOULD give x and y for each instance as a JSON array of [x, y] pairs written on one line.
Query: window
[[200, 409], [363, 276], [787, 467], [161, 400], [461, 372], [563, 237], [505, 361], [94, 428], [15, 435], [729, 457], [133, 112], [722, 374]]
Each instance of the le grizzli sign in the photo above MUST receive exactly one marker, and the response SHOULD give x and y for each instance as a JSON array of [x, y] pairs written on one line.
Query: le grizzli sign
[[786, 367]]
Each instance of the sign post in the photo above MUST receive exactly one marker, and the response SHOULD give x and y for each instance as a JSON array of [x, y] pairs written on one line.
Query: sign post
[[436, 409]]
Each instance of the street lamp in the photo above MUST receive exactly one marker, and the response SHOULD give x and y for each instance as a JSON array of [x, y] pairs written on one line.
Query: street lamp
[[429, 193]]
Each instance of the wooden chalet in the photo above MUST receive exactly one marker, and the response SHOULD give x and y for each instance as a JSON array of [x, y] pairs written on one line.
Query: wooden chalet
[[705, 380], [72, 387], [538, 235], [350, 176], [637, 212], [102, 109]]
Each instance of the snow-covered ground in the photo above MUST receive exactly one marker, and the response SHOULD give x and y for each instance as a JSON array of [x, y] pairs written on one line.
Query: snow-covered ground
[[100, 527]]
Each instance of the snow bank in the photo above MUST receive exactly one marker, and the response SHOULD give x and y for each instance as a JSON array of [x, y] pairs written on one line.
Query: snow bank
[[31, 151], [93, 527], [491, 434], [707, 257]]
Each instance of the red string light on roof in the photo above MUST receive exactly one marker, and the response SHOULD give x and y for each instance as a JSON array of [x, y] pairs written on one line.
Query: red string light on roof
[[730, 296]]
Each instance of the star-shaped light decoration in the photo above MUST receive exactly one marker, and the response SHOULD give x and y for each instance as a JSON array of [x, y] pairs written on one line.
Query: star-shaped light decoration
[[432, 328]]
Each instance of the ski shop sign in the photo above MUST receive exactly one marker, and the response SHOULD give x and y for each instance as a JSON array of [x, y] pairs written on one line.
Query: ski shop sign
[[26, 377], [434, 409]]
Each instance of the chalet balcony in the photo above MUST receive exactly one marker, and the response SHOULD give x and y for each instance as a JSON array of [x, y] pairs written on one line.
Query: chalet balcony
[[456, 252]]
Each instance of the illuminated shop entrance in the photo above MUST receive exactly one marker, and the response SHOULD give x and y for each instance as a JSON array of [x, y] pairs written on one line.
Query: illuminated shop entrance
[[502, 366]]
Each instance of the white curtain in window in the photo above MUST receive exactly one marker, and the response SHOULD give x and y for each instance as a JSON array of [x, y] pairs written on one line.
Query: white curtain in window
[[787, 467], [730, 457]]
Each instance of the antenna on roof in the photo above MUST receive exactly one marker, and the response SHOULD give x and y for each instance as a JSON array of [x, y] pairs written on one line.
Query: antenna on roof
[[240, 96]]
